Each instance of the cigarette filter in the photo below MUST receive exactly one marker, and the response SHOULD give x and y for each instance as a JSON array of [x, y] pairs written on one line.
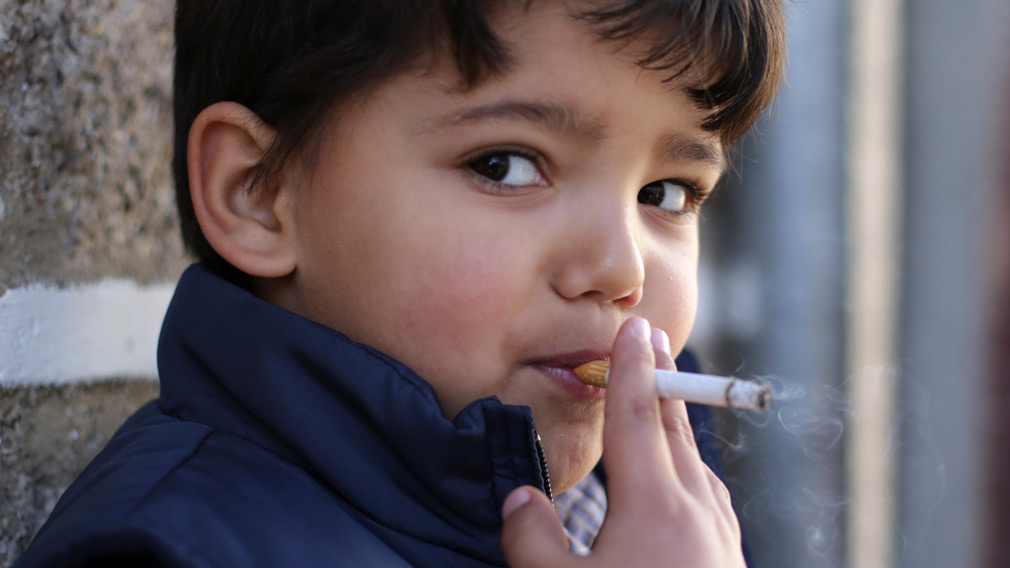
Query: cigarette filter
[[727, 392]]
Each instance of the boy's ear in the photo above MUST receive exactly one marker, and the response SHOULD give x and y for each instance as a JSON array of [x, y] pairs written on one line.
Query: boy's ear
[[249, 228]]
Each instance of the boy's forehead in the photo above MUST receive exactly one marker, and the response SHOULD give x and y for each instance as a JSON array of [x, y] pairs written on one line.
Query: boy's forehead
[[542, 85]]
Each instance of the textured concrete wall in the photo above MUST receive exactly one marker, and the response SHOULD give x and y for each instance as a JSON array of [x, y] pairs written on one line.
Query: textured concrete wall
[[47, 434], [85, 138], [85, 195]]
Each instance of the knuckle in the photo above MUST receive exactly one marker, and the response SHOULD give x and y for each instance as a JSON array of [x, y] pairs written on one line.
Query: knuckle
[[643, 410], [636, 411], [678, 428], [718, 487]]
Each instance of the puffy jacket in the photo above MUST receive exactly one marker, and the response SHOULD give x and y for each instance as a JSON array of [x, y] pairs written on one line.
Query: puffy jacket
[[277, 441]]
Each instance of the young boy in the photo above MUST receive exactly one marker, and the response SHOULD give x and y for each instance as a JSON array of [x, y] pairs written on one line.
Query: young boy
[[414, 218]]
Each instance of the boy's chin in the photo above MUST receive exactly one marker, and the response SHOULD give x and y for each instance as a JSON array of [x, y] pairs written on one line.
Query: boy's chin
[[570, 458]]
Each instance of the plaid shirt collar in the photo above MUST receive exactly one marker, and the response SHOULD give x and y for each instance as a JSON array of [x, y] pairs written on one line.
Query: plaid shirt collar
[[582, 509]]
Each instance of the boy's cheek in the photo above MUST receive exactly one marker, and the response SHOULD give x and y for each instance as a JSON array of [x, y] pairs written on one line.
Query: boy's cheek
[[670, 296], [672, 309], [473, 276], [457, 301]]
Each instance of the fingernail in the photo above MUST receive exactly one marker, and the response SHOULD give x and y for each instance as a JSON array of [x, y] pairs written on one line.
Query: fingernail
[[640, 328], [515, 500], [660, 340]]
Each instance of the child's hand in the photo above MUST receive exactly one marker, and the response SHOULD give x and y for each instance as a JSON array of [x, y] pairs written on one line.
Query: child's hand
[[666, 507]]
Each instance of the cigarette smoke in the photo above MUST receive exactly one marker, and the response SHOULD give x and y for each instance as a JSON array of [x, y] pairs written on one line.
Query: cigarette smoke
[[786, 468]]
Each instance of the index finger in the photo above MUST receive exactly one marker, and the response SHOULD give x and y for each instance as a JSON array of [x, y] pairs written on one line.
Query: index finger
[[635, 451]]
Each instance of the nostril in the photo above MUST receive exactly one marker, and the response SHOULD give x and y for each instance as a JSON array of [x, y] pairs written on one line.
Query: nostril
[[630, 300]]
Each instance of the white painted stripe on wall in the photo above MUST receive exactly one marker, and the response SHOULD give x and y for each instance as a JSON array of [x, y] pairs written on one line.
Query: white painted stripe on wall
[[82, 333]]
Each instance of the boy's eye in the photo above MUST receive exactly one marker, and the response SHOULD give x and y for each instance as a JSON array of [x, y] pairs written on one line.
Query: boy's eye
[[507, 168], [666, 194]]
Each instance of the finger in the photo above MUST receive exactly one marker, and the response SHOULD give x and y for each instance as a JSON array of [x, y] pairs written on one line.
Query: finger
[[635, 449], [693, 473], [676, 422], [661, 348], [673, 412], [724, 504], [531, 531]]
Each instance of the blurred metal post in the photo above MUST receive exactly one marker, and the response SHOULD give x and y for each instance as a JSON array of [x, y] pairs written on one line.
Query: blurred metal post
[[873, 229], [788, 229], [952, 80]]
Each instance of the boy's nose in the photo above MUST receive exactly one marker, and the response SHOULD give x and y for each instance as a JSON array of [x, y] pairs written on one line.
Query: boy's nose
[[601, 260]]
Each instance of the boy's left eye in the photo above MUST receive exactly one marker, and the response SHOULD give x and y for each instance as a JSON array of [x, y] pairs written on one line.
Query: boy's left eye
[[666, 194], [507, 169]]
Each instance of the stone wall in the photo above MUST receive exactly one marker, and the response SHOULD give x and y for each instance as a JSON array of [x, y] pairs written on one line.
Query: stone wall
[[48, 434], [86, 199]]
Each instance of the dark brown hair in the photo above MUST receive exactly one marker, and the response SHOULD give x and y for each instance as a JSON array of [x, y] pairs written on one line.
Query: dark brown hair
[[292, 61]]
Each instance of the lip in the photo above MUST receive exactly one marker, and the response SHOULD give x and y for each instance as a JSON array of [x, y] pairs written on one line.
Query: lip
[[558, 369]]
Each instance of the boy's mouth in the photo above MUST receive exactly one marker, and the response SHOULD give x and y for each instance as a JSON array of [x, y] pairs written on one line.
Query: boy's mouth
[[558, 369], [573, 359]]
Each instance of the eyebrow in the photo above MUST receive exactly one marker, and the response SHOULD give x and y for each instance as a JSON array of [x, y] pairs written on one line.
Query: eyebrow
[[566, 118], [553, 116], [684, 147]]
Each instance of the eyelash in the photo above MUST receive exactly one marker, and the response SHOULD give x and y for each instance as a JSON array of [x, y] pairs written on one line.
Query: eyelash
[[503, 188], [697, 194]]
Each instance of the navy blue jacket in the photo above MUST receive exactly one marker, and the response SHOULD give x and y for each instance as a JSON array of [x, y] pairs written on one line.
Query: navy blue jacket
[[277, 441]]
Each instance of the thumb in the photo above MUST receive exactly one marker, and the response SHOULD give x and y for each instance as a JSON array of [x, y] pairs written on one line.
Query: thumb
[[531, 533]]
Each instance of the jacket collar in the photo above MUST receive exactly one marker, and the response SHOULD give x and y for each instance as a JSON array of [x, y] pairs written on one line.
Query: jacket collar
[[364, 424]]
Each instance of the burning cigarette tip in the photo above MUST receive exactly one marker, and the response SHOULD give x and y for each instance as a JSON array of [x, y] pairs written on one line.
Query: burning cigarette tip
[[750, 395]]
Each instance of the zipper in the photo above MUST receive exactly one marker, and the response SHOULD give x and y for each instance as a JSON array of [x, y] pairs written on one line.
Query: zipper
[[543, 468]]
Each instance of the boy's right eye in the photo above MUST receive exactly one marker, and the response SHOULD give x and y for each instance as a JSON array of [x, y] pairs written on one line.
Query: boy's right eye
[[507, 169]]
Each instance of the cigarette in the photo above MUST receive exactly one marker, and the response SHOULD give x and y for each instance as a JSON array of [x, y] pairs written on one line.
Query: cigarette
[[726, 392]]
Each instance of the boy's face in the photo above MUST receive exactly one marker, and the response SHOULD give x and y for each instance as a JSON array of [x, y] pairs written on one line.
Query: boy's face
[[495, 238]]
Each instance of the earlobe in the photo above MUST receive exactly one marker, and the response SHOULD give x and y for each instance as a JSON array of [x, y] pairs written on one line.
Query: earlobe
[[247, 227]]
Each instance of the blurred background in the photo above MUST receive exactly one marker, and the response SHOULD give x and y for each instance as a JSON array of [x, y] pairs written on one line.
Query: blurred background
[[858, 261], [857, 258]]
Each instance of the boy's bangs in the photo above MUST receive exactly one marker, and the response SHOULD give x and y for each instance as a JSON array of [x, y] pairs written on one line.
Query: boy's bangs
[[727, 52]]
